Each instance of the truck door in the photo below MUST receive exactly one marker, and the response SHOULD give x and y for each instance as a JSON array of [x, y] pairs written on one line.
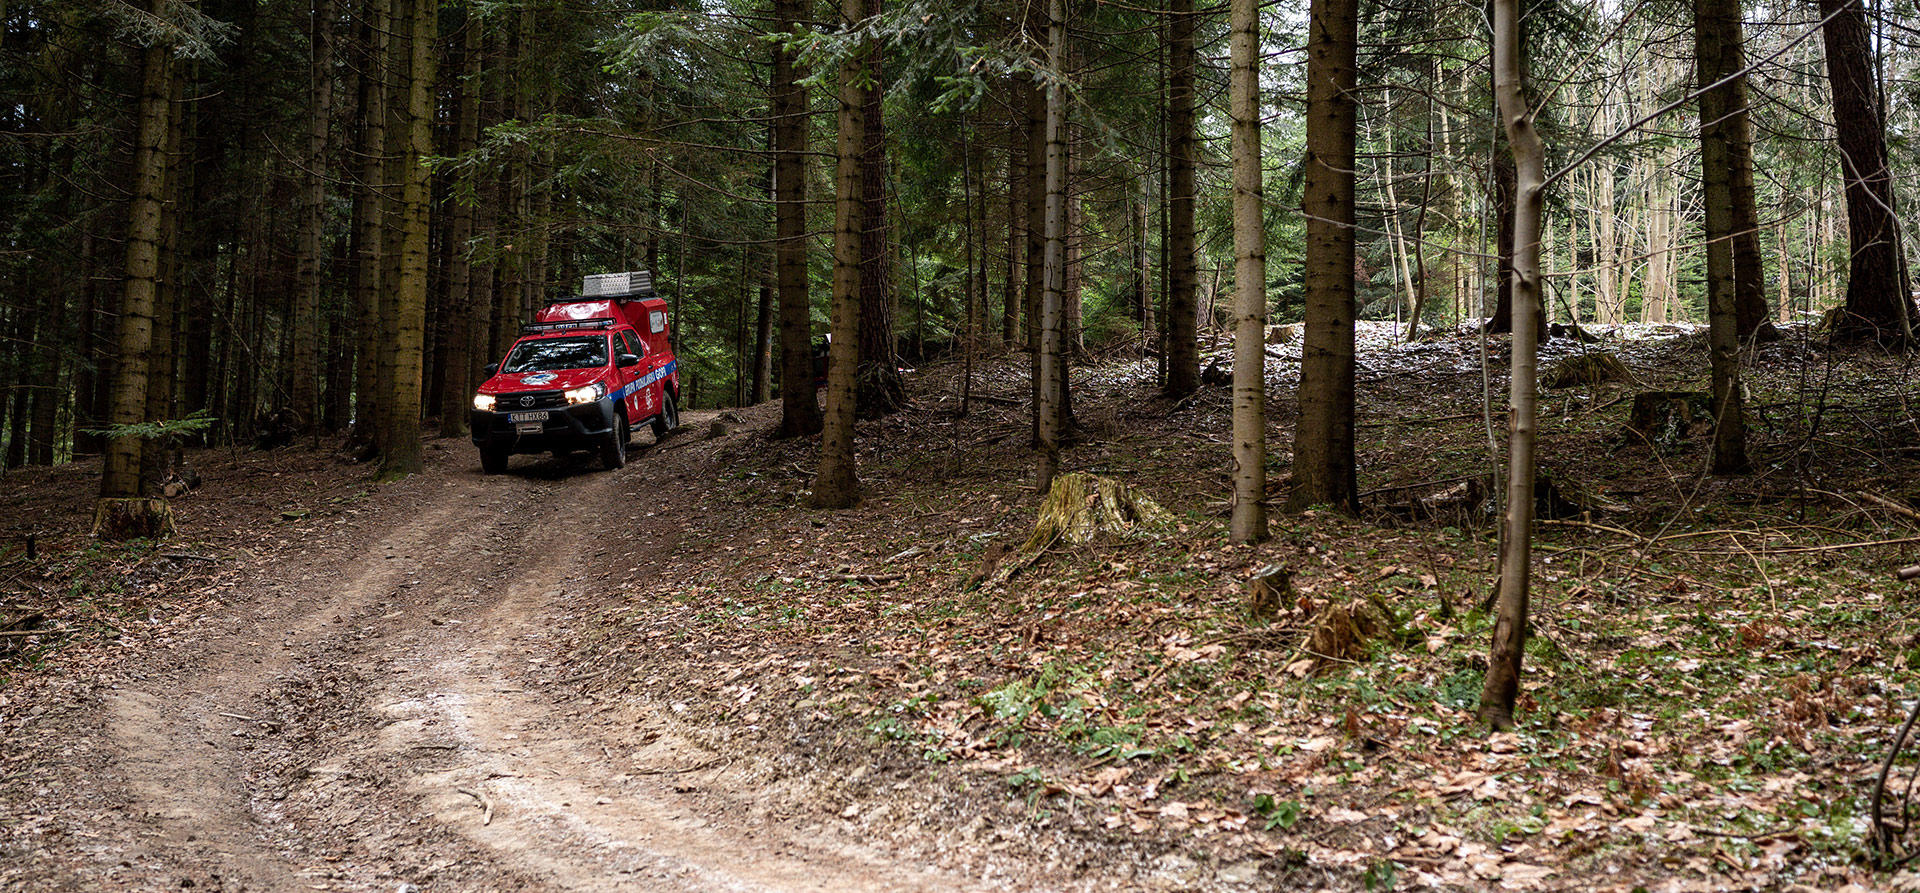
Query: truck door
[[636, 402]]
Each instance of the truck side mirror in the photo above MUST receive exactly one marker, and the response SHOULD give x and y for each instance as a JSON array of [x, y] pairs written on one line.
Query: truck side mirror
[[628, 359], [492, 368]]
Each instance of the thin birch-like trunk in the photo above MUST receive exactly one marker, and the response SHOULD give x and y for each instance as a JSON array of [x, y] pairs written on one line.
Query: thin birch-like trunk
[[1502, 688], [1249, 518]]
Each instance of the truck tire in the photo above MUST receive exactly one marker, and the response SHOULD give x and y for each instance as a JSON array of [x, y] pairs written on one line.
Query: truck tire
[[493, 461], [669, 417], [613, 451]]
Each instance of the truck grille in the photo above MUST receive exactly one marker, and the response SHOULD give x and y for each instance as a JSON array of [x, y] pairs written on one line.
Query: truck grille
[[531, 400]]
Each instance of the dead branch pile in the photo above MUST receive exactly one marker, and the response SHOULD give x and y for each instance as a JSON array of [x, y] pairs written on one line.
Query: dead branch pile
[[1585, 369]]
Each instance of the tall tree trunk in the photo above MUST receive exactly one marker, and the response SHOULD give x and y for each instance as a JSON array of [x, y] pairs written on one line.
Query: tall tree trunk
[[1323, 461], [120, 476], [369, 205], [763, 340], [881, 390], [1249, 520], [1048, 411], [799, 400], [1011, 330], [458, 319], [837, 485], [400, 454], [306, 317], [1183, 351], [1529, 160], [1723, 116], [1503, 188], [1878, 306]]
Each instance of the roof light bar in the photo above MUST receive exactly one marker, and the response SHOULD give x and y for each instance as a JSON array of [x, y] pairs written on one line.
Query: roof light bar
[[538, 327]]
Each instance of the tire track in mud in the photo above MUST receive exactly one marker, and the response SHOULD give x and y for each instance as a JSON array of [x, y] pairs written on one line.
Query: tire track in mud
[[389, 729], [199, 747]]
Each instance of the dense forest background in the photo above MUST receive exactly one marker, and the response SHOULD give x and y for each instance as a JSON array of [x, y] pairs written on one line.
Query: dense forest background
[[296, 219]]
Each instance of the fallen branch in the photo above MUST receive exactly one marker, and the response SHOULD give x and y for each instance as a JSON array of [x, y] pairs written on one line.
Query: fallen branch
[[694, 768], [486, 805], [1890, 505]]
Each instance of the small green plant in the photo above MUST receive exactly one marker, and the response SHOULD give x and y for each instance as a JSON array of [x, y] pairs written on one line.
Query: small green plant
[[1381, 875], [1278, 813]]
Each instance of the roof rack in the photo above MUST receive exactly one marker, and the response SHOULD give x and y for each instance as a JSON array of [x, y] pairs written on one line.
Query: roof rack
[[604, 286], [539, 327]]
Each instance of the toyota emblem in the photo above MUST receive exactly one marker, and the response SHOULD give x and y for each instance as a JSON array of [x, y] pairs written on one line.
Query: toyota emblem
[[526, 401]]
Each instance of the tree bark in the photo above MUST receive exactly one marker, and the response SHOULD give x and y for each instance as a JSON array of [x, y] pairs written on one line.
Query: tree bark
[[799, 400], [1323, 460], [1011, 329], [1248, 523], [837, 486], [459, 322], [1047, 408], [120, 477], [1502, 687], [1183, 352], [881, 390], [1723, 117], [400, 452], [306, 317], [1878, 306], [368, 213]]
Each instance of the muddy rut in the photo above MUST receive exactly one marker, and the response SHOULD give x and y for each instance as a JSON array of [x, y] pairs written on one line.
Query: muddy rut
[[372, 715]]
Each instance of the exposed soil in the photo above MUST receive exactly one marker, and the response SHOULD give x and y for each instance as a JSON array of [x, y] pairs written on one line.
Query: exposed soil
[[675, 677], [379, 700]]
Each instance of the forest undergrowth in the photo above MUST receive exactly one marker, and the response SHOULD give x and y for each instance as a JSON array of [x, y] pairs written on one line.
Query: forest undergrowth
[[1715, 669], [1716, 665]]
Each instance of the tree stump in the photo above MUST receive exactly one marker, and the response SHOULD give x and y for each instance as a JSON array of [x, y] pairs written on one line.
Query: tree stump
[[1080, 506], [1268, 592], [1665, 418], [1344, 633], [129, 519]]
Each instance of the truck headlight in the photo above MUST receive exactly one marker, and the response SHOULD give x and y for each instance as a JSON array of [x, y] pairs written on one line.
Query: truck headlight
[[483, 402], [586, 394]]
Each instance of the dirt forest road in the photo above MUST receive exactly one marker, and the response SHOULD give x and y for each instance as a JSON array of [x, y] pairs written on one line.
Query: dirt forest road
[[368, 712]]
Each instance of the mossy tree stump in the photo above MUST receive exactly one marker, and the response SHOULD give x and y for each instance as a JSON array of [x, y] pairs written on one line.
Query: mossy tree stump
[[131, 519], [1080, 506]]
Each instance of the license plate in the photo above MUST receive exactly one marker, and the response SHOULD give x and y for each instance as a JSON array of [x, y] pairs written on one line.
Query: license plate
[[528, 428], [540, 416]]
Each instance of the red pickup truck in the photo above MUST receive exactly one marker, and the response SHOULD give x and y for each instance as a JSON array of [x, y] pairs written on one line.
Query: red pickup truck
[[584, 373]]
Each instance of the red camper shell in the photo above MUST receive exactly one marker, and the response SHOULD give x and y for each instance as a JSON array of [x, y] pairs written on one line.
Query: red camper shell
[[582, 376]]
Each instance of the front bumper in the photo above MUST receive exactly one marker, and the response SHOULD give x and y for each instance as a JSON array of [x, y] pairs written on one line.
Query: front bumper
[[577, 427]]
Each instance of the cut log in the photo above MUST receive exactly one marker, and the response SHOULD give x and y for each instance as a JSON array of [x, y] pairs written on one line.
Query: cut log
[[130, 519], [1283, 334], [1665, 418]]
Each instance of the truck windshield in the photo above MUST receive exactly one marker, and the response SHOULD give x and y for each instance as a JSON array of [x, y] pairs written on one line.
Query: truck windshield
[[548, 354]]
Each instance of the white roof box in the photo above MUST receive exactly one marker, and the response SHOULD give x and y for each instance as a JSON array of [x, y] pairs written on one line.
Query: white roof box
[[617, 285]]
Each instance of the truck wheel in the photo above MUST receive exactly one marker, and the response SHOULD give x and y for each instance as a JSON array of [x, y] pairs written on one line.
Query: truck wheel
[[669, 417], [493, 461], [613, 453]]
